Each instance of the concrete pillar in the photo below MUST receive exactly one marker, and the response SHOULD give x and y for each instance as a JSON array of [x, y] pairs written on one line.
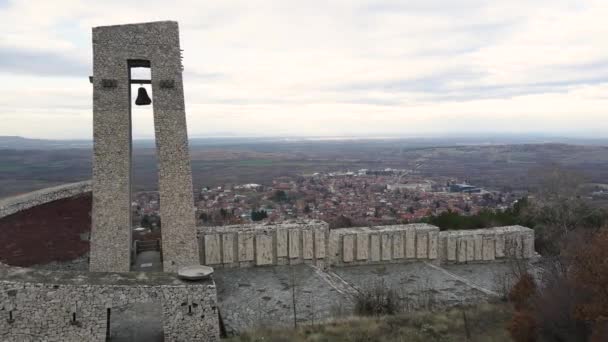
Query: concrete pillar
[[462, 250], [282, 244], [348, 247], [263, 248], [307, 244], [478, 241], [422, 242], [386, 247], [514, 244], [212, 249], [294, 244], [488, 248], [410, 243], [228, 248], [398, 250], [245, 247], [500, 245], [362, 246], [320, 241], [470, 248], [451, 248], [335, 247], [433, 237], [528, 245], [375, 247]]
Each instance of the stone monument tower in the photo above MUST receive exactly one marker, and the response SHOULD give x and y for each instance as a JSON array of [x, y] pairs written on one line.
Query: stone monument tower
[[117, 49]]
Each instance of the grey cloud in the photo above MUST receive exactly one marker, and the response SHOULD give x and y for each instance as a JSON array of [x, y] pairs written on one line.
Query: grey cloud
[[438, 88], [40, 63], [427, 6], [249, 101], [478, 35], [432, 84], [510, 90], [443, 7], [205, 76], [594, 66]]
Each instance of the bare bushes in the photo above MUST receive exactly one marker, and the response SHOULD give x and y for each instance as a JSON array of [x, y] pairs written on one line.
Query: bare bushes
[[523, 327], [377, 301], [522, 293], [571, 301]]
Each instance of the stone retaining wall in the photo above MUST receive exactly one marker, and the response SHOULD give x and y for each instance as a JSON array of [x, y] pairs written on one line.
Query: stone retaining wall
[[484, 245], [73, 306], [383, 244], [15, 204], [249, 245], [312, 242]]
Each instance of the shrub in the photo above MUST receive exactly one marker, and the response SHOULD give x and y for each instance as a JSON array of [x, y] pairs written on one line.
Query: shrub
[[521, 294], [554, 308], [572, 303], [376, 301], [522, 326], [589, 272]]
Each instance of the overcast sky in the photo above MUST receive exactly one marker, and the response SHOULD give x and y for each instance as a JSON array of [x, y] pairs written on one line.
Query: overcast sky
[[325, 68]]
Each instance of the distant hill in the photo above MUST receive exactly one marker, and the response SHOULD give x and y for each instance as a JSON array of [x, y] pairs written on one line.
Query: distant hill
[[21, 143], [30, 164]]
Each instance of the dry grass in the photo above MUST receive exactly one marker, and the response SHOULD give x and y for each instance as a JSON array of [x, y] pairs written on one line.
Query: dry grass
[[486, 323]]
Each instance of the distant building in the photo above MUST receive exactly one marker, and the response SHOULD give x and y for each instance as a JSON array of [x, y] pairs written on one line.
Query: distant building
[[283, 186], [422, 186], [250, 186], [464, 188]]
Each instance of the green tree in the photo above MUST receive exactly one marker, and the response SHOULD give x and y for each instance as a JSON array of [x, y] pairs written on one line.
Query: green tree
[[279, 196], [258, 215]]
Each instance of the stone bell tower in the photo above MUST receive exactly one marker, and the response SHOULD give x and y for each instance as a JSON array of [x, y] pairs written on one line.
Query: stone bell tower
[[117, 49]]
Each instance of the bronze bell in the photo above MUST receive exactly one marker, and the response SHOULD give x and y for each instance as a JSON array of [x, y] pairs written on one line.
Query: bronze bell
[[142, 97]]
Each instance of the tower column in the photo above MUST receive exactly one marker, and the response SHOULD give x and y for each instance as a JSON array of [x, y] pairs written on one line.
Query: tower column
[[114, 48]]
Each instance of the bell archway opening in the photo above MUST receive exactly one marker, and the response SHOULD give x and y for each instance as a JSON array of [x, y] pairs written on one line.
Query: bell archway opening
[[146, 221]]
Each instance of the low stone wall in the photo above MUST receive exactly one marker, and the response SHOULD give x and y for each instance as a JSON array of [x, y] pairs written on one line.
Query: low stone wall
[[288, 243], [15, 204], [383, 244], [312, 242], [74, 306], [484, 245]]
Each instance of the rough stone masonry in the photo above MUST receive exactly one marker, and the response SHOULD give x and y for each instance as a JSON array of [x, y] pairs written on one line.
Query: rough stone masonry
[[49, 306], [116, 49]]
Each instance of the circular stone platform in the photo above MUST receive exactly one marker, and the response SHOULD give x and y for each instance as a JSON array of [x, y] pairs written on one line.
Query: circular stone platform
[[194, 272]]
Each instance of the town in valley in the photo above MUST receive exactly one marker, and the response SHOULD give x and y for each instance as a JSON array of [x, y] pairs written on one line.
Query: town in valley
[[342, 198]]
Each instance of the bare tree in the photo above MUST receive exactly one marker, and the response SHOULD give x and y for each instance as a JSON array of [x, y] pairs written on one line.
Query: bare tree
[[557, 209], [556, 182], [293, 297]]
